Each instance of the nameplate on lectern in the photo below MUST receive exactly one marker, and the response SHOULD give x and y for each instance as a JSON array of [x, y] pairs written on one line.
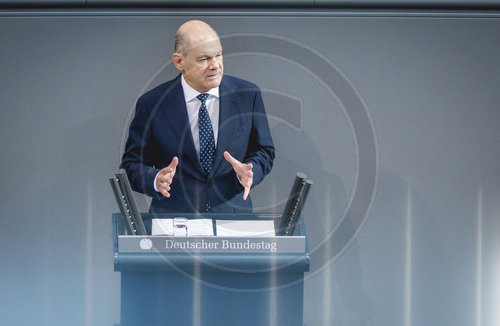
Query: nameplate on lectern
[[199, 245]]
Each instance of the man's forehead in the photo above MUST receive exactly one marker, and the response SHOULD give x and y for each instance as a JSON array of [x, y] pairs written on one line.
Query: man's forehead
[[207, 45]]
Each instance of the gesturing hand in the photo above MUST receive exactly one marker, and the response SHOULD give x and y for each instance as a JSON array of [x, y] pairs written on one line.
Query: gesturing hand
[[243, 171], [165, 176]]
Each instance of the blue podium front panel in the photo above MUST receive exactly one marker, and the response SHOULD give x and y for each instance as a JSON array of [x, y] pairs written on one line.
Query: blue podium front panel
[[176, 299], [214, 287]]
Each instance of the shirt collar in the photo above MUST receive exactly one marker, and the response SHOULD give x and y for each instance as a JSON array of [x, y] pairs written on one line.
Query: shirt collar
[[191, 93]]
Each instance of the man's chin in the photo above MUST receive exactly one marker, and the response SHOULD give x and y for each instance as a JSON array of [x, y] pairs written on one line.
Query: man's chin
[[213, 83]]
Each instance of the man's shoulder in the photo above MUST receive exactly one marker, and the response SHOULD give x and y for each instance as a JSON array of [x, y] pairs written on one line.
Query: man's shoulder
[[231, 82], [161, 90]]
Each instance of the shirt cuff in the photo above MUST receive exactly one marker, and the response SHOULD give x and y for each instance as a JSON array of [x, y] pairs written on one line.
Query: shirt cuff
[[154, 182]]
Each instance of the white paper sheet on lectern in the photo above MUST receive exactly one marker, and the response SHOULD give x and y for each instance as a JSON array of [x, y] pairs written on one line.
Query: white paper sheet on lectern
[[245, 228], [195, 227]]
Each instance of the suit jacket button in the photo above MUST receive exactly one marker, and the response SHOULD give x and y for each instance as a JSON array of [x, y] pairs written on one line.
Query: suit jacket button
[[210, 182]]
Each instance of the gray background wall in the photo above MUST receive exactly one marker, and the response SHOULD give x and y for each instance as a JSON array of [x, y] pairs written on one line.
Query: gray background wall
[[394, 116]]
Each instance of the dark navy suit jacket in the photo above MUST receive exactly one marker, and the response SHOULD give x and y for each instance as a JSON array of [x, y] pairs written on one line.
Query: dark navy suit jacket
[[160, 130]]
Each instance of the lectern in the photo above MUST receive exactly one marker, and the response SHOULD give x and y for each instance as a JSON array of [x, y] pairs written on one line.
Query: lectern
[[210, 280]]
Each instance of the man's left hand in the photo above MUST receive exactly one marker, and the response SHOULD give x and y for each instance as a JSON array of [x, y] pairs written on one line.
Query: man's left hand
[[243, 171]]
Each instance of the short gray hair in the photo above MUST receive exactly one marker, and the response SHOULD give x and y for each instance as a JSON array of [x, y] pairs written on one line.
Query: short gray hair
[[181, 42]]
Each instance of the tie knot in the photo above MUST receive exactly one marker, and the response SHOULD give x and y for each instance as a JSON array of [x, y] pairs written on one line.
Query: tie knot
[[202, 97]]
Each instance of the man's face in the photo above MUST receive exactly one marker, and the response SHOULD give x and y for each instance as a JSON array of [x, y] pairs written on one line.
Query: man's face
[[202, 65]]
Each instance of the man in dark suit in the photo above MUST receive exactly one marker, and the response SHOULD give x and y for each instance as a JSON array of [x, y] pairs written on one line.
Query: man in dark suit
[[199, 142]]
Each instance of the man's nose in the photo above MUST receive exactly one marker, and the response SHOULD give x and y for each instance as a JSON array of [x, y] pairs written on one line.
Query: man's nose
[[213, 63]]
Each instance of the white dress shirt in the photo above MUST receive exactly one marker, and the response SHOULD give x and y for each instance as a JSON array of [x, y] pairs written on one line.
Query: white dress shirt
[[193, 108]]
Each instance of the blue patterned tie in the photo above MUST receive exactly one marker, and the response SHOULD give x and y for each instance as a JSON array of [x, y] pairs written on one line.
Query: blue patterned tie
[[207, 142]]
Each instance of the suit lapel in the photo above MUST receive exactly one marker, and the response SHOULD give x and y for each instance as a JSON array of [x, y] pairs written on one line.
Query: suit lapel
[[175, 111], [228, 122]]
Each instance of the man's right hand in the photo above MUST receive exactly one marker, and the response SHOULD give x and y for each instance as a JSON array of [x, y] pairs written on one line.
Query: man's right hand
[[165, 176]]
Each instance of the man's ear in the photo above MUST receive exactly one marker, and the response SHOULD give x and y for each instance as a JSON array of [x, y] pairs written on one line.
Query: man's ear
[[178, 61]]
